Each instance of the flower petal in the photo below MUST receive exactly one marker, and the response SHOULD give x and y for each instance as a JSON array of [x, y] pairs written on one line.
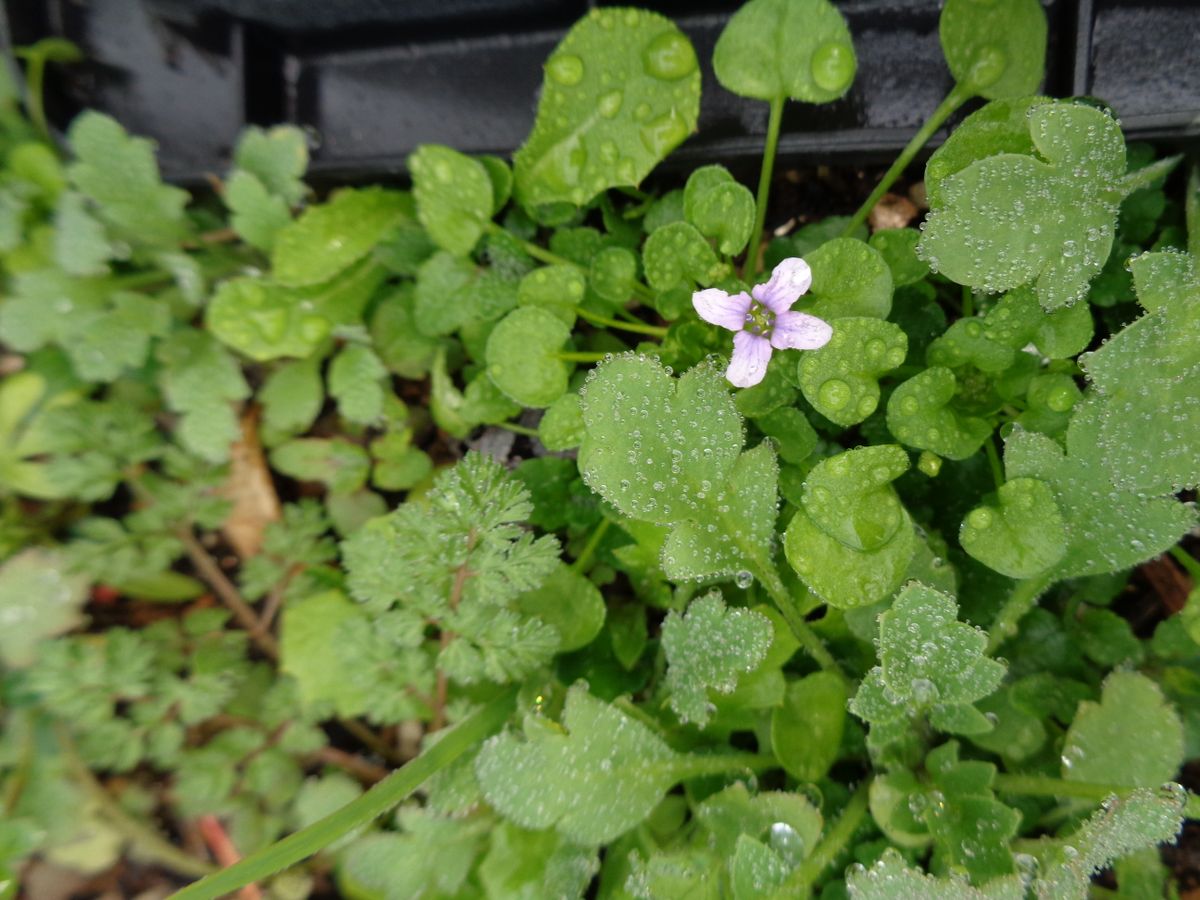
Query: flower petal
[[789, 280], [751, 353], [800, 331], [720, 308]]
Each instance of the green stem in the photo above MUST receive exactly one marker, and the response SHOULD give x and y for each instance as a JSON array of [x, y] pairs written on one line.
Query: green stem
[[147, 842], [517, 429], [605, 321], [382, 797], [803, 632], [1192, 211], [801, 881], [581, 356], [589, 549], [993, 456], [1047, 786], [750, 266], [968, 302], [957, 97], [1022, 599], [1189, 563], [695, 766]]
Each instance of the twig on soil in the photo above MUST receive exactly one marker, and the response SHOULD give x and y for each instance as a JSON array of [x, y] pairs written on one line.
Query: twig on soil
[[224, 852]]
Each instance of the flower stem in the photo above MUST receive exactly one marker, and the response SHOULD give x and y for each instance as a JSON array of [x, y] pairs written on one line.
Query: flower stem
[[1048, 786], [957, 97], [579, 356], [605, 321], [809, 639], [1192, 211], [589, 549], [800, 883], [753, 254], [374, 803], [517, 429], [1186, 560], [1022, 599], [993, 457]]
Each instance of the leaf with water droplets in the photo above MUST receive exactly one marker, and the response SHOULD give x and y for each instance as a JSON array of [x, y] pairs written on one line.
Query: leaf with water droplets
[[720, 208], [454, 196], [890, 878], [1109, 528], [898, 247], [921, 413], [568, 602], [526, 865], [1020, 536], [613, 274], [557, 289], [522, 356], [995, 50], [849, 278], [677, 254], [842, 576], [1045, 218], [930, 663], [561, 427], [331, 237], [594, 777], [1132, 737], [621, 91], [850, 496], [786, 48], [1141, 819], [1148, 376], [990, 343], [841, 379], [707, 648], [806, 731]]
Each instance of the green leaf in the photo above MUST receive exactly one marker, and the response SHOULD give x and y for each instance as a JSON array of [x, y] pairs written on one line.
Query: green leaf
[[119, 174], [277, 157], [594, 777], [39, 599], [557, 289], [890, 878], [707, 648], [841, 379], [720, 208], [1109, 528], [1132, 737], [849, 496], [255, 214], [1046, 219], [200, 381], [356, 382], [622, 90], [920, 413], [613, 274], [568, 602], [849, 278], [1124, 825], [329, 238], [930, 663], [527, 865], [308, 652], [335, 462], [898, 247], [655, 443], [291, 398], [775, 48], [1148, 375], [454, 196], [755, 868], [562, 427], [81, 246], [677, 254], [995, 50], [1022, 536], [394, 335], [398, 465], [522, 356], [806, 731], [842, 576]]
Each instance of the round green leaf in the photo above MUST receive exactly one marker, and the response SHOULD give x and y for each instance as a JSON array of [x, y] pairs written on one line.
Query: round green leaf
[[806, 731], [786, 48], [454, 196], [570, 603], [522, 356], [995, 49], [678, 254], [612, 274], [849, 278], [850, 496], [841, 379], [561, 428], [919, 415], [898, 247], [557, 289], [1020, 537], [621, 91], [720, 208]]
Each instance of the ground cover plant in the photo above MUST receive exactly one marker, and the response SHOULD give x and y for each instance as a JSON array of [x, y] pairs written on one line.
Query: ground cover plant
[[658, 556]]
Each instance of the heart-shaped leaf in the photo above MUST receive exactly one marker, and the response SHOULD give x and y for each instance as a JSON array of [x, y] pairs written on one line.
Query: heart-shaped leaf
[[850, 496], [849, 278], [677, 254], [720, 208], [920, 414], [454, 196], [522, 356], [841, 379], [995, 50], [1022, 536]]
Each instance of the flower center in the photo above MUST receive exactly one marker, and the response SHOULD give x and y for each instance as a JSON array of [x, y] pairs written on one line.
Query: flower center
[[759, 319]]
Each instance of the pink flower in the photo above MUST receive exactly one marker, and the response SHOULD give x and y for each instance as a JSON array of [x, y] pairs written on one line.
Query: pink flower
[[762, 320]]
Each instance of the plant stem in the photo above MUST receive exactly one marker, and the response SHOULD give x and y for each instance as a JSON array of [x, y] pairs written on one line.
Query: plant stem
[[968, 302], [1192, 211], [369, 739], [382, 797], [1047, 786], [753, 253], [639, 327], [1189, 563], [589, 549], [517, 429], [1022, 599], [227, 592], [579, 356], [808, 638], [993, 456], [148, 842], [697, 766], [957, 97], [800, 883]]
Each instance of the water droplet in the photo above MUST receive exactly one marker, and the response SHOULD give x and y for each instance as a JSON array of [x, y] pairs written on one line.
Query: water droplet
[[610, 104], [669, 56], [565, 68], [834, 394], [833, 67], [743, 579]]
